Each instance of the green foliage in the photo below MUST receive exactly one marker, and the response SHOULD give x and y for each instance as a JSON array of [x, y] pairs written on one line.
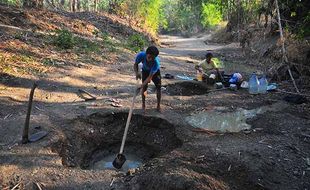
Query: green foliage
[[304, 29], [96, 32], [136, 42], [146, 12], [152, 14], [64, 39], [109, 42], [19, 35], [211, 15], [85, 45], [182, 16], [12, 2], [106, 38]]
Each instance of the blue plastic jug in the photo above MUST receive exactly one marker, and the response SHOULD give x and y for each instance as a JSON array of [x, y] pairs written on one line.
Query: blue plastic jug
[[263, 84], [253, 84]]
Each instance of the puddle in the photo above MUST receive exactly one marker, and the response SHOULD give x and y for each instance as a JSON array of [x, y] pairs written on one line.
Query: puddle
[[221, 121], [136, 155], [132, 161]]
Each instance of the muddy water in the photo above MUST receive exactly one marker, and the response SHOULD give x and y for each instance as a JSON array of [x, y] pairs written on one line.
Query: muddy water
[[220, 120], [132, 162]]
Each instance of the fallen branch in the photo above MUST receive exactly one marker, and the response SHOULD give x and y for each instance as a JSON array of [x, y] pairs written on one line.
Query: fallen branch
[[38, 185], [112, 182], [14, 28], [15, 187], [92, 97]]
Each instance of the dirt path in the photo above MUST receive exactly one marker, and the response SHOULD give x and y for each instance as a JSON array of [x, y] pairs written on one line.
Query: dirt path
[[273, 156]]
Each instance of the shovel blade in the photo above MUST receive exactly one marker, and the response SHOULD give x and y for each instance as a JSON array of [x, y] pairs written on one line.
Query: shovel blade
[[119, 161]]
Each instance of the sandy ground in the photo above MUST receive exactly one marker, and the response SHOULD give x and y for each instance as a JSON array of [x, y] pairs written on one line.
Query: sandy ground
[[274, 154]]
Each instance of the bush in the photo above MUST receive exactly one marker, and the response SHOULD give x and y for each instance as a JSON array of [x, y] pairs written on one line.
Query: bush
[[64, 39], [85, 45], [136, 42]]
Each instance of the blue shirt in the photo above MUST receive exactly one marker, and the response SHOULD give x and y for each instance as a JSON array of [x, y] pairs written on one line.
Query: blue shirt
[[151, 67]]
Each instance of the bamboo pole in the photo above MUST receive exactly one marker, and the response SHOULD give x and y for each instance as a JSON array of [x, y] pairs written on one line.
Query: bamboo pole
[[283, 47]]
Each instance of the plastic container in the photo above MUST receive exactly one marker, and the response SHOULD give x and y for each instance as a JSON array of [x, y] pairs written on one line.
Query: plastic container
[[199, 76], [244, 84], [235, 78], [263, 84], [253, 84]]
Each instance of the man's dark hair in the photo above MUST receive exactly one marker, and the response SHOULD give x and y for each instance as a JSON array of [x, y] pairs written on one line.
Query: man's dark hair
[[152, 50], [209, 55]]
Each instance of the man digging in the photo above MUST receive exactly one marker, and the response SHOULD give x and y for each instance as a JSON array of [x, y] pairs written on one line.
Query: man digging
[[150, 71]]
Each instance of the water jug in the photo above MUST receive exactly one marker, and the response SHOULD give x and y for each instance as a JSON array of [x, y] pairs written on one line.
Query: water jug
[[253, 84], [263, 83]]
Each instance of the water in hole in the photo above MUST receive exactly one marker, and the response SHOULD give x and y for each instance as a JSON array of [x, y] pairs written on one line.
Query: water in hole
[[218, 120], [132, 161]]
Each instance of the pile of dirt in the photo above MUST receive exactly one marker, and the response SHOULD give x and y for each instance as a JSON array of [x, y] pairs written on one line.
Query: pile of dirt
[[186, 88]]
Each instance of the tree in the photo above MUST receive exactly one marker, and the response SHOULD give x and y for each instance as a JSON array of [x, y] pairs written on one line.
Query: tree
[[78, 5], [73, 5]]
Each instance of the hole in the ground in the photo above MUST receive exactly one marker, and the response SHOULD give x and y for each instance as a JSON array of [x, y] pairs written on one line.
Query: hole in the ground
[[92, 142], [187, 88]]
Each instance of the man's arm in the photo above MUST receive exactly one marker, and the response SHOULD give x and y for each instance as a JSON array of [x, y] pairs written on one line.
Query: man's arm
[[147, 80], [198, 66]]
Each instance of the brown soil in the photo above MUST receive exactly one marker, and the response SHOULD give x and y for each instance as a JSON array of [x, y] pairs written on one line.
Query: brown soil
[[187, 88], [274, 154]]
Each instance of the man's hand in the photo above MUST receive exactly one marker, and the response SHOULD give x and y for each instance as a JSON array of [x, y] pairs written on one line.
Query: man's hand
[[138, 76]]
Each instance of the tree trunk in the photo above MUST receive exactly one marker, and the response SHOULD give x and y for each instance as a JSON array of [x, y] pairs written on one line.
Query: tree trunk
[[95, 5], [78, 5], [73, 6], [62, 3]]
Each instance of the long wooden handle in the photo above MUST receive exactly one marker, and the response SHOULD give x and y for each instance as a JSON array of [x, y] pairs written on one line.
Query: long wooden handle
[[128, 122], [26, 127]]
